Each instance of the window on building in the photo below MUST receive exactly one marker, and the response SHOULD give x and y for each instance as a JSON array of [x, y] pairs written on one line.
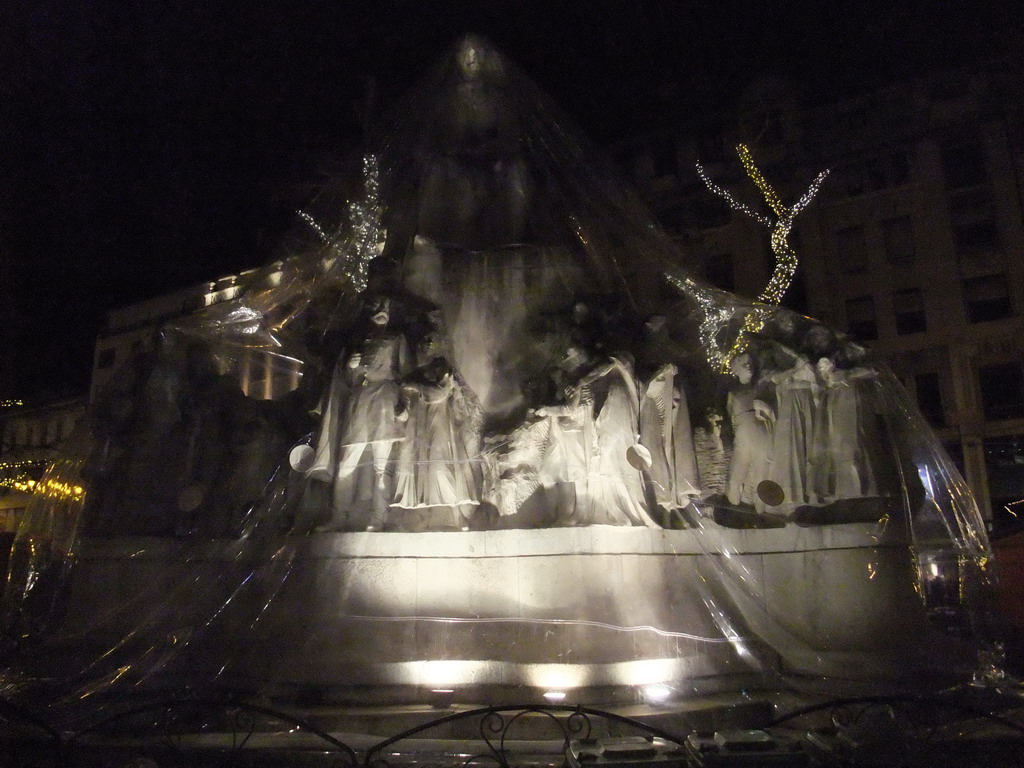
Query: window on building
[[955, 449], [987, 298], [899, 169], [860, 318], [1002, 390], [1004, 463], [963, 163], [850, 250], [973, 218], [976, 237], [929, 398], [720, 271], [106, 358], [898, 237], [908, 306], [875, 173]]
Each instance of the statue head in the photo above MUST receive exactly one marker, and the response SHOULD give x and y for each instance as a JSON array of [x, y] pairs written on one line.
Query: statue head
[[580, 312], [818, 341], [381, 312], [435, 318], [713, 419], [575, 358], [742, 368], [826, 368], [655, 324]]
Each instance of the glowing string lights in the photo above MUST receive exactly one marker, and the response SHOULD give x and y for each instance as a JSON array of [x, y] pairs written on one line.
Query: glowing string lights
[[785, 261], [5, 465], [50, 487], [364, 216], [785, 256], [716, 316]]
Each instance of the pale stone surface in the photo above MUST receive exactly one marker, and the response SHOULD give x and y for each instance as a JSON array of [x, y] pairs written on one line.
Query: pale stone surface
[[587, 606]]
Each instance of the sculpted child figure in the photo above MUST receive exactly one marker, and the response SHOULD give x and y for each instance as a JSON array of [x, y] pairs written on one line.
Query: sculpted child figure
[[362, 420], [665, 432], [615, 487], [752, 421], [797, 398], [847, 434], [569, 443], [437, 482], [712, 454]]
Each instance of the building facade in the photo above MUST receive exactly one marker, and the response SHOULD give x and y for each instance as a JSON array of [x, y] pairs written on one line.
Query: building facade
[[913, 245], [131, 330], [31, 437]]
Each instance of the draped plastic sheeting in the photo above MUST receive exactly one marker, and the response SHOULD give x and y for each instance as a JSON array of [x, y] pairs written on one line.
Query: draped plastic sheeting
[[478, 431]]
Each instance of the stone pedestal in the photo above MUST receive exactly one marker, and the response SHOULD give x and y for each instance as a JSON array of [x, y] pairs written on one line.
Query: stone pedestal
[[509, 614]]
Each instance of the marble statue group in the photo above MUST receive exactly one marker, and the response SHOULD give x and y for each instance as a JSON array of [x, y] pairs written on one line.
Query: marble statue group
[[601, 432]]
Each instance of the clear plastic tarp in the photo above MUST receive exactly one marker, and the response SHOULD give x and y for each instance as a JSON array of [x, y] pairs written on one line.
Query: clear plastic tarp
[[478, 431]]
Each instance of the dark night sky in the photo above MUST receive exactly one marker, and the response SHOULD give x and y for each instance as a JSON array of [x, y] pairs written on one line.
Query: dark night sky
[[145, 146]]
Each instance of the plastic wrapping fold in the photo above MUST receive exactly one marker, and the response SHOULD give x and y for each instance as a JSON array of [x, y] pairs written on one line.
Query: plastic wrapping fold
[[479, 431]]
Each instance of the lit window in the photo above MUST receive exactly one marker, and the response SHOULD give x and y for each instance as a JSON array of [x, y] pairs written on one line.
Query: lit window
[[987, 298], [908, 306]]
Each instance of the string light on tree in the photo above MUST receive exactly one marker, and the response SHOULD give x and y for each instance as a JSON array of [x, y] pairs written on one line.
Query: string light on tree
[[716, 316], [785, 257], [364, 217]]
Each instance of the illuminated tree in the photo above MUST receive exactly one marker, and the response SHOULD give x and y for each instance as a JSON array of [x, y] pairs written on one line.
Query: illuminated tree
[[715, 316]]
